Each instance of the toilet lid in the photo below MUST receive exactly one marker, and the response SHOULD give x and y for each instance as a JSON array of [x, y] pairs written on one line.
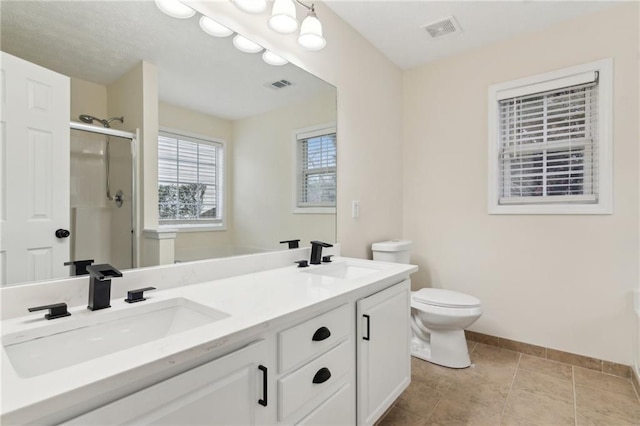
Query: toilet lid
[[445, 298]]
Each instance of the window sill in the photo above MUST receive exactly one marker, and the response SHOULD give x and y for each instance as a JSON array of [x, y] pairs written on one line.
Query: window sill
[[314, 210], [188, 227], [558, 209]]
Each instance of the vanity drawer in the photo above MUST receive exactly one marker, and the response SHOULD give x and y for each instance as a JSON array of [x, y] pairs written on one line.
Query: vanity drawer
[[328, 371], [306, 340], [339, 409]]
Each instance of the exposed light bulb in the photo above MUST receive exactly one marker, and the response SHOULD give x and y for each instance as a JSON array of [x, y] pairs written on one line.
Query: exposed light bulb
[[214, 28], [245, 45], [251, 6], [272, 59], [175, 9], [311, 33], [283, 17]]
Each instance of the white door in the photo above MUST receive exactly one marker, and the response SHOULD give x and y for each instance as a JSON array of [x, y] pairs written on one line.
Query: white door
[[384, 359], [34, 171]]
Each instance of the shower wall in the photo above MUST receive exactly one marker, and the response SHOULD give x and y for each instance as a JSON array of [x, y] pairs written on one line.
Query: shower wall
[[101, 230]]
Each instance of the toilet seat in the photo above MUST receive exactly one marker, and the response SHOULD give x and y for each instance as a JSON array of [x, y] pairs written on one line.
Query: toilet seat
[[445, 298]]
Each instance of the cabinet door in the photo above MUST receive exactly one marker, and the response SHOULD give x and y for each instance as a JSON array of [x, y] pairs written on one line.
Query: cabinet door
[[384, 360], [226, 391]]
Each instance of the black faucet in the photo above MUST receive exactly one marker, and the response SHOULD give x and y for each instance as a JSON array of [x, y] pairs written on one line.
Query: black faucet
[[100, 285], [316, 251]]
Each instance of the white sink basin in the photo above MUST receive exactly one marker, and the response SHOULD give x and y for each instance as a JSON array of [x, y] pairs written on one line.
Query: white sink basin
[[343, 270], [68, 342]]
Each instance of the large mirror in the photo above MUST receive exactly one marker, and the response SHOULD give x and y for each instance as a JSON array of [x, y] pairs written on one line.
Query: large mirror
[[268, 121]]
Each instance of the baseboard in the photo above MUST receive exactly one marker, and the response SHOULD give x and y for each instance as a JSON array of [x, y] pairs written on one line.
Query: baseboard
[[555, 355], [635, 379]]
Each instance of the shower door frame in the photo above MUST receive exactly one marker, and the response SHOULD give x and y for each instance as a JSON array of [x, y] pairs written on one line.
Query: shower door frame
[[133, 137]]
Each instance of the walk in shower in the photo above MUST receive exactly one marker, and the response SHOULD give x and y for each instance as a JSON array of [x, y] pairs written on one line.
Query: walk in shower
[[102, 189]]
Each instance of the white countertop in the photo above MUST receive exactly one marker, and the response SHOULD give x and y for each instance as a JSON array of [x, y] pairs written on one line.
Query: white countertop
[[254, 302]]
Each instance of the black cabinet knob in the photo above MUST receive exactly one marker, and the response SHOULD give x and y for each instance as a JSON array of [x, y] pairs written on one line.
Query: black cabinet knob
[[322, 375], [321, 334], [62, 233]]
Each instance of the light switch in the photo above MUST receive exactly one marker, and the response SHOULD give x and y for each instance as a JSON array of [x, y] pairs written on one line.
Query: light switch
[[355, 209]]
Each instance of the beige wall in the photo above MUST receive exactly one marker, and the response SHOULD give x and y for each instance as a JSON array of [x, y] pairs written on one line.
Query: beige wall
[[563, 282], [263, 182], [87, 98], [135, 96], [369, 119]]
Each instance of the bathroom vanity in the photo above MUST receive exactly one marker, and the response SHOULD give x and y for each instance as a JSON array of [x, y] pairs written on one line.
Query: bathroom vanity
[[282, 345]]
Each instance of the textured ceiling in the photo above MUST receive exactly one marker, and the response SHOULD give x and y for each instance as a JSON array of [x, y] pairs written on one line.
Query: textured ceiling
[[99, 41], [395, 27]]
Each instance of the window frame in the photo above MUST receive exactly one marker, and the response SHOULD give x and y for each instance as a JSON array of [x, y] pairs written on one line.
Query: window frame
[[532, 84], [297, 135], [201, 225]]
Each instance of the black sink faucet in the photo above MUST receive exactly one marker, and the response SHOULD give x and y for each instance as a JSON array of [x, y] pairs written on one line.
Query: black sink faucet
[[316, 251], [100, 285]]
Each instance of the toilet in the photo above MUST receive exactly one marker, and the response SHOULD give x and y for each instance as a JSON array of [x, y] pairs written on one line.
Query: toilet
[[438, 316]]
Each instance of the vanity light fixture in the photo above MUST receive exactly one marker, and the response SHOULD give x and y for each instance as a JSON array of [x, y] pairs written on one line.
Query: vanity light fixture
[[251, 6], [311, 31], [245, 45], [283, 20], [214, 28], [283, 17], [175, 9], [272, 59]]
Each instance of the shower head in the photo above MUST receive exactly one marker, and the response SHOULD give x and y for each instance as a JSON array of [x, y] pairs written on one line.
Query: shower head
[[120, 119], [89, 119]]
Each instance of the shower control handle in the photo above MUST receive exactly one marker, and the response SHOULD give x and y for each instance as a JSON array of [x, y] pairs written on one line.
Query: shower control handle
[[62, 233]]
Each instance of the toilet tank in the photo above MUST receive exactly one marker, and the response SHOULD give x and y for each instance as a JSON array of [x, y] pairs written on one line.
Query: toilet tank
[[396, 251]]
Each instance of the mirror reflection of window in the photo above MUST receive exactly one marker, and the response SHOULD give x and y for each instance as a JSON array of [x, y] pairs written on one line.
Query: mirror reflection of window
[[316, 153], [190, 180]]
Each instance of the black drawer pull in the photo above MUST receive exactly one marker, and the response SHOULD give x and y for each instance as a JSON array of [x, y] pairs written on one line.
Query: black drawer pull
[[321, 334], [263, 401], [368, 327], [322, 375]]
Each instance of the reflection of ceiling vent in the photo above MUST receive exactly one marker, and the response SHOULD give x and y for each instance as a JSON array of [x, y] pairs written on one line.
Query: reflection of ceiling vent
[[280, 84], [443, 27]]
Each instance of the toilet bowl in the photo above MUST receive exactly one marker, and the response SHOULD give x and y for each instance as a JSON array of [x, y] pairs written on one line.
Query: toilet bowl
[[438, 316], [438, 320]]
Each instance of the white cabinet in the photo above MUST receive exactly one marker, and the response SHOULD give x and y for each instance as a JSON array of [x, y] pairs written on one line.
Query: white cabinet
[[383, 359], [227, 391], [322, 369]]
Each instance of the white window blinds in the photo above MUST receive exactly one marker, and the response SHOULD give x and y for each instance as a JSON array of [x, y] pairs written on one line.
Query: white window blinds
[[316, 165], [548, 144], [189, 179]]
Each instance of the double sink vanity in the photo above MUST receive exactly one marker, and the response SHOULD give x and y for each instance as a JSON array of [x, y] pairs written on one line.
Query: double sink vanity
[[248, 340]]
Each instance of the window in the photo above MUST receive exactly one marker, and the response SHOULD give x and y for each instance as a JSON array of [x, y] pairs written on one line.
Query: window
[[190, 171], [550, 143], [316, 170]]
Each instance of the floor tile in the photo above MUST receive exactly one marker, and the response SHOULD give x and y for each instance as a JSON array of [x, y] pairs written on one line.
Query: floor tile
[[473, 401], [527, 408], [543, 385], [607, 382], [399, 417], [421, 397], [592, 403], [490, 364], [545, 366]]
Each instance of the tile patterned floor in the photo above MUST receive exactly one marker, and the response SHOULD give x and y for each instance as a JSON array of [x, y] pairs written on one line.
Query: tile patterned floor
[[503, 387]]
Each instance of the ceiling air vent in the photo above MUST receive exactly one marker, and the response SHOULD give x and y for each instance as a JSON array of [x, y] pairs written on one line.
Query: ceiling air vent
[[280, 84], [443, 27]]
